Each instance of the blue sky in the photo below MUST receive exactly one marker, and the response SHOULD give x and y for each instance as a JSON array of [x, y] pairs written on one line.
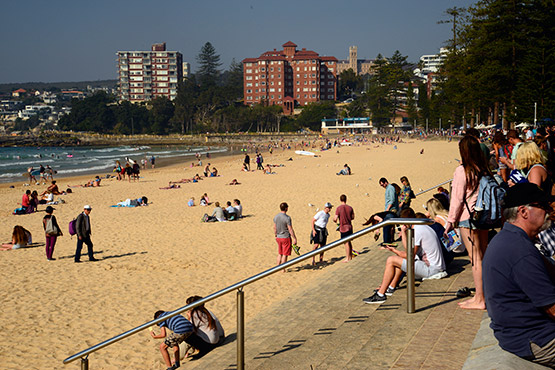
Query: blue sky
[[60, 40]]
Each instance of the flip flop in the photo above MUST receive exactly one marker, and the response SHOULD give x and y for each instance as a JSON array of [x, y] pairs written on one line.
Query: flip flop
[[296, 249], [463, 292]]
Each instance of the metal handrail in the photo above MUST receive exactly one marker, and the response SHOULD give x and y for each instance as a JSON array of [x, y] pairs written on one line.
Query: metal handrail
[[433, 187], [239, 286]]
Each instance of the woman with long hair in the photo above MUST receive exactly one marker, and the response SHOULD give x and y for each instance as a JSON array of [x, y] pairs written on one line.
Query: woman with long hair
[[20, 238], [466, 180], [208, 332]]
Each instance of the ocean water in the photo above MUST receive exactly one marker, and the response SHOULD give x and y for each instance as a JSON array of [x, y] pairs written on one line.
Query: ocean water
[[75, 161]]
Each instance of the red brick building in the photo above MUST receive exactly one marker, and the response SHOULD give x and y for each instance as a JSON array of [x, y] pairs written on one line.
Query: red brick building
[[289, 77]]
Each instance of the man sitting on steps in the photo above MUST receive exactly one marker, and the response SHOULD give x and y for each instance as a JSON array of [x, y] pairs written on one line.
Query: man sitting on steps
[[428, 264]]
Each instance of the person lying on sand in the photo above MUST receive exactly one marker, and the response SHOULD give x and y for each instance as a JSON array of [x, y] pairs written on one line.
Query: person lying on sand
[[234, 182], [171, 186], [93, 183]]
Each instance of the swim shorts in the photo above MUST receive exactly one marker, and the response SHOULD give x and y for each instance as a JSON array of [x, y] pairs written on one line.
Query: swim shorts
[[284, 246]]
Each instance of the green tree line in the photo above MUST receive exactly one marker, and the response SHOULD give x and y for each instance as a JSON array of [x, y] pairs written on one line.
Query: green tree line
[[501, 62]]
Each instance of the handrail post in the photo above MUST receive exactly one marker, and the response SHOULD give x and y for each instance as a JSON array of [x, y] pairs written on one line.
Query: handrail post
[[84, 363], [410, 270], [240, 329]]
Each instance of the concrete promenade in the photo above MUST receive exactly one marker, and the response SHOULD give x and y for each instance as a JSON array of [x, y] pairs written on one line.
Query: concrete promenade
[[325, 325]]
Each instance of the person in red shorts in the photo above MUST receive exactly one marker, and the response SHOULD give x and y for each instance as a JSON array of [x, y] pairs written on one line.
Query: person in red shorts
[[283, 230], [345, 215]]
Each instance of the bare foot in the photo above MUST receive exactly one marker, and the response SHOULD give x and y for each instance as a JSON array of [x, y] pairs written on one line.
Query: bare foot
[[472, 305], [346, 260]]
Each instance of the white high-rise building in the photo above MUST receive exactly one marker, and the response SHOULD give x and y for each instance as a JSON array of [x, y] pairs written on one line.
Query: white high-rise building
[[431, 63], [145, 75]]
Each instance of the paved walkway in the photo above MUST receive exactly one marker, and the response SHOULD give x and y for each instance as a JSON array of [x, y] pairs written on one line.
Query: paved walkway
[[325, 324]]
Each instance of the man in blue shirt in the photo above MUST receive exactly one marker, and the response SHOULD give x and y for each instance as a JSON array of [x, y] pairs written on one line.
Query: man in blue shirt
[[181, 329], [391, 201], [391, 205], [518, 286]]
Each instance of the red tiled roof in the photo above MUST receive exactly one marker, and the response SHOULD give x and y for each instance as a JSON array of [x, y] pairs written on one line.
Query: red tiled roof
[[20, 91], [329, 58], [250, 60], [289, 43]]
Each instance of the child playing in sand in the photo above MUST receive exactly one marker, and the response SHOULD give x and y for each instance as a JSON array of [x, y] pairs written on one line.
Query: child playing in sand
[[181, 329]]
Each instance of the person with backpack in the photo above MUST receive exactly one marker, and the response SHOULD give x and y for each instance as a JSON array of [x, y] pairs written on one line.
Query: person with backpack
[[464, 194], [83, 231], [51, 231]]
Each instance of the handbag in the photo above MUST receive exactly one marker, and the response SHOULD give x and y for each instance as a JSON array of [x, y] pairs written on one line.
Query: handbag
[[51, 229]]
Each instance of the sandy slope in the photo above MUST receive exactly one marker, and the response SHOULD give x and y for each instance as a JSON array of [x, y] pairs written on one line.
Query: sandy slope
[[155, 257]]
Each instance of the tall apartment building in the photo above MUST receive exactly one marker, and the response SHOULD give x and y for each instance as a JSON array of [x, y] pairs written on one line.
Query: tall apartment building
[[145, 75], [359, 66], [431, 63], [289, 77]]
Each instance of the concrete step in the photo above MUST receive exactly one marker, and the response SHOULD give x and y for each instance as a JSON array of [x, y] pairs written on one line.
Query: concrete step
[[325, 325]]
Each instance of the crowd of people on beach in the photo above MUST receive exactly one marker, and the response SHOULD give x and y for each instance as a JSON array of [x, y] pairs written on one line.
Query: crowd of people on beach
[[523, 166]]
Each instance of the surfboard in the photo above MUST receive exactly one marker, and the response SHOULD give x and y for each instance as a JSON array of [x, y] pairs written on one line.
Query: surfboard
[[303, 152]]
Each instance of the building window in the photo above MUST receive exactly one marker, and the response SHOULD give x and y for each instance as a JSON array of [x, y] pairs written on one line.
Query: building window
[[249, 70], [249, 91], [249, 77], [249, 84], [330, 96]]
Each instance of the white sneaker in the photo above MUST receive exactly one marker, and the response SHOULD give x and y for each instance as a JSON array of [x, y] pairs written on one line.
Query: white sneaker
[[439, 275]]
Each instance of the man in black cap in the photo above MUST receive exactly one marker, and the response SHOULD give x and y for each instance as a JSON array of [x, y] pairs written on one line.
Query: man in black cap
[[519, 289]]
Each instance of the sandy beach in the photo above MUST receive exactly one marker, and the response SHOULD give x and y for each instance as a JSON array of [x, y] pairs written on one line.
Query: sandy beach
[[155, 257]]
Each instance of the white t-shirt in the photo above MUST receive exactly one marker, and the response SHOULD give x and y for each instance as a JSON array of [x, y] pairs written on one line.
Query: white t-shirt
[[200, 323], [321, 219], [429, 245]]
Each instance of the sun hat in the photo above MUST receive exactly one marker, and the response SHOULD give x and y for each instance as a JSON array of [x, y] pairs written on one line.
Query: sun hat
[[87, 207]]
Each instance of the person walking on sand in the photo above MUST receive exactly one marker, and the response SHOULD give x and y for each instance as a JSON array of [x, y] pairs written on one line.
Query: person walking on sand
[[52, 231], [83, 230], [247, 162], [284, 233], [345, 215], [319, 234]]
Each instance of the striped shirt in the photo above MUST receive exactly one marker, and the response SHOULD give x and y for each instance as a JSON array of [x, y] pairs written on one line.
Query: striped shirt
[[178, 324]]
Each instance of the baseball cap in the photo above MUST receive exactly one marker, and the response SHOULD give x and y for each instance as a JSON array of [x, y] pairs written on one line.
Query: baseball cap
[[328, 205], [49, 209], [525, 193], [87, 207]]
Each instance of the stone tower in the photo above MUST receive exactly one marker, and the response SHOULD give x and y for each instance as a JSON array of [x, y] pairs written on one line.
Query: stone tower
[[353, 59]]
